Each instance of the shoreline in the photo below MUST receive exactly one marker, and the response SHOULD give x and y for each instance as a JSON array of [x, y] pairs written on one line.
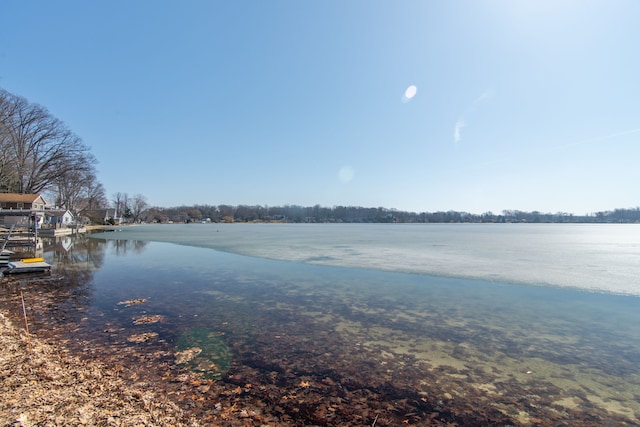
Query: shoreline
[[46, 385]]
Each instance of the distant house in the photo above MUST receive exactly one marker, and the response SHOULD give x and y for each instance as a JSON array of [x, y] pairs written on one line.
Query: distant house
[[19, 208], [59, 222], [58, 218], [102, 216]]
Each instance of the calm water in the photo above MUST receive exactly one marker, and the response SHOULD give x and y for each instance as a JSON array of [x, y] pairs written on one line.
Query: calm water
[[454, 302], [593, 257]]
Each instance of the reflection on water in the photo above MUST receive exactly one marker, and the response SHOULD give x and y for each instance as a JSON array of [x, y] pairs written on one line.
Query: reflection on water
[[522, 352]]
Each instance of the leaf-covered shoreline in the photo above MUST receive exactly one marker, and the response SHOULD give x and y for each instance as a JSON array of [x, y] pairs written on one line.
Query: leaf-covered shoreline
[[42, 385]]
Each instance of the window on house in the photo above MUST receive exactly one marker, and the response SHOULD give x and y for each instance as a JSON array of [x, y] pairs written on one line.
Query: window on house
[[20, 205]]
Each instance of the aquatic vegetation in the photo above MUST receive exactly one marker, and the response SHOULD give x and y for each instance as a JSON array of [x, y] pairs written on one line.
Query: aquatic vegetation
[[204, 352]]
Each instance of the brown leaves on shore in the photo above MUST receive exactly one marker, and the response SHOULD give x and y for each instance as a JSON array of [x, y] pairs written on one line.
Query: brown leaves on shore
[[47, 387]]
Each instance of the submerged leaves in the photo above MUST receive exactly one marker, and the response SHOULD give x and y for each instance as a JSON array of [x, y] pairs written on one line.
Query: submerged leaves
[[143, 337], [130, 302], [146, 320], [187, 355]]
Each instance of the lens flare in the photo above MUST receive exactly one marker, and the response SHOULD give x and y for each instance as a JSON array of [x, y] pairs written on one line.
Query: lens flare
[[409, 93], [346, 174]]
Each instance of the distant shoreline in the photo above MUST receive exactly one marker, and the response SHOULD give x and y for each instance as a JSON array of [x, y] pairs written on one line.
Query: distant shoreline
[[357, 214]]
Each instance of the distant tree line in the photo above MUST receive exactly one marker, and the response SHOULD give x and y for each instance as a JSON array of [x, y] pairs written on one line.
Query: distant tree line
[[40, 155], [355, 214]]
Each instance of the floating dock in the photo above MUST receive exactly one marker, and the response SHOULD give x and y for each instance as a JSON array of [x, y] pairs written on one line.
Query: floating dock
[[27, 265]]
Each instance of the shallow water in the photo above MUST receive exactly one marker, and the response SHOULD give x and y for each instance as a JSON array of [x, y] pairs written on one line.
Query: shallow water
[[529, 351]]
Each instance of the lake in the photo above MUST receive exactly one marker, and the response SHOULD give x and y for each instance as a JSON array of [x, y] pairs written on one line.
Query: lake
[[351, 324]]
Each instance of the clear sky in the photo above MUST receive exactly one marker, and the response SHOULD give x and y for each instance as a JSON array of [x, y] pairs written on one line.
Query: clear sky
[[415, 105]]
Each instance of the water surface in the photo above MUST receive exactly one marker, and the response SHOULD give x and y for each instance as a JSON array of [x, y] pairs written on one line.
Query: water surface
[[426, 317], [600, 257]]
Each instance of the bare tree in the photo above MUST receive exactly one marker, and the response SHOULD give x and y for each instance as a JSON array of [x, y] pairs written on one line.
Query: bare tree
[[67, 190], [7, 172], [138, 206], [94, 195], [78, 189], [37, 147]]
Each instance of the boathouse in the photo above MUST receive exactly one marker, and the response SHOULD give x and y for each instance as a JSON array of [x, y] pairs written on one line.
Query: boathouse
[[21, 209]]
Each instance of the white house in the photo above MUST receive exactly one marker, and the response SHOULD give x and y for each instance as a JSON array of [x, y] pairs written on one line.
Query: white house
[[59, 218]]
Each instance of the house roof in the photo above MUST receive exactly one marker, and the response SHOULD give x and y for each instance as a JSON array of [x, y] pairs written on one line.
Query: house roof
[[24, 198], [57, 212]]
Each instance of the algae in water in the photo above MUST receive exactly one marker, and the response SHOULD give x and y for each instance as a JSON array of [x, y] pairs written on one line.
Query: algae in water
[[204, 352]]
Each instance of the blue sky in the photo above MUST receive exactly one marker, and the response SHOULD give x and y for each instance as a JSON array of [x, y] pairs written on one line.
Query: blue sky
[[529, 105]]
